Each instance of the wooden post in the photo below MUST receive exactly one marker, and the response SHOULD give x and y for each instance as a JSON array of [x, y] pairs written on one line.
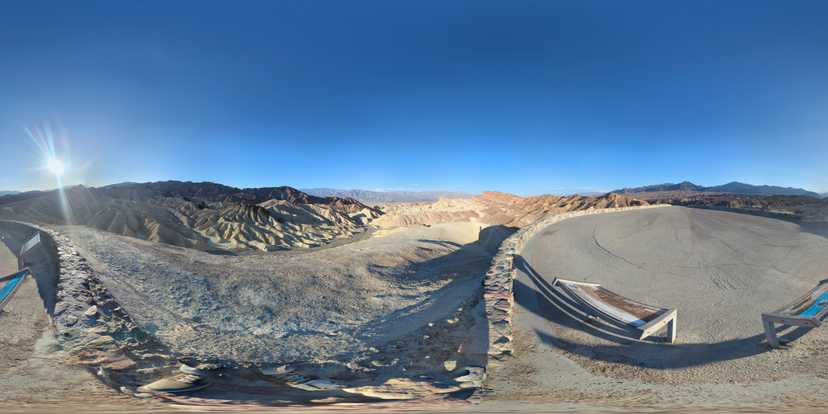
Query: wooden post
[[770, 332], [671, 329]]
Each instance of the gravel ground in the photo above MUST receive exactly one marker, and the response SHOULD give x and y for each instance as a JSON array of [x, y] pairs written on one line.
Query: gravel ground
[[385, 314], [290, 306], [721, 270]]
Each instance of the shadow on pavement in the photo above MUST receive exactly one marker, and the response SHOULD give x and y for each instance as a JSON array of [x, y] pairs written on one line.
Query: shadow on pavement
[[542, 300]]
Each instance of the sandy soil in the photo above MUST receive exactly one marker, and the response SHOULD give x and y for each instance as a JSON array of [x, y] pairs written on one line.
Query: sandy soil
[[721, 270]]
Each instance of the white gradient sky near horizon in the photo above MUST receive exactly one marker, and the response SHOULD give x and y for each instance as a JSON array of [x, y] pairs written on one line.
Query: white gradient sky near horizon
[[528, 98]]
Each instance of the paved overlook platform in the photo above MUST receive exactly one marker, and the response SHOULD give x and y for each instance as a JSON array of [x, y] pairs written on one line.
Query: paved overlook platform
[[720, 269]]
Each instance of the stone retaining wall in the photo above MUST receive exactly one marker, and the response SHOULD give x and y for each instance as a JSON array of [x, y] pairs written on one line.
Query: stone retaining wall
[[497, 284], [66, 282], [92, 329], [42, 260]]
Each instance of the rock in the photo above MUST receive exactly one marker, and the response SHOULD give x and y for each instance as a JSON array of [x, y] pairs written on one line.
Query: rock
[[260, 331], [99, 330], [473, 374], [208, 366], [302, 383], [100, 341], [402, 389], [277, 371], [323, 384], [121, 364], [150, 370], [91, 312]]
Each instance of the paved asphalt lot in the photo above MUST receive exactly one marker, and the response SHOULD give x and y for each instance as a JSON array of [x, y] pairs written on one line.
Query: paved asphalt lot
[[720, 269]]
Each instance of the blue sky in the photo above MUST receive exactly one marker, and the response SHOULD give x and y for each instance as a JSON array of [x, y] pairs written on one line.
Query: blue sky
[[527, 97]]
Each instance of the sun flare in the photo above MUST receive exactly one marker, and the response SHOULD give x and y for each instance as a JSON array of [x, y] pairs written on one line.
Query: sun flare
[[55, 166]]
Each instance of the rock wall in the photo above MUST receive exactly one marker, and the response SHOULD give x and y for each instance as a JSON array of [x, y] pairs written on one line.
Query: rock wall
[[497, 285], [42, 260], [89, 325]]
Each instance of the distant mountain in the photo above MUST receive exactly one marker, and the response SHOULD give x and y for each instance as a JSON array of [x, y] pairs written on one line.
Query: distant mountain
[[373, 197], [734, 187], [682, 186], [742, 188], [2, 193]]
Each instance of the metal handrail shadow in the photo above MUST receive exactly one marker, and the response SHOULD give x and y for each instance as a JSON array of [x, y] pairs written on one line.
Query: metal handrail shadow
[[624, 349]]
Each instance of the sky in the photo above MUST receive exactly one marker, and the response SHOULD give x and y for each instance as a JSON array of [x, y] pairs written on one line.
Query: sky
[[528, 97]]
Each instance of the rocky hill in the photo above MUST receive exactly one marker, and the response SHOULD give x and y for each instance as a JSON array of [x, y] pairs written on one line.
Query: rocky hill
[[496, 208], [380, 197], [206, 216], [735, 187], [801, 208], [518, 211]]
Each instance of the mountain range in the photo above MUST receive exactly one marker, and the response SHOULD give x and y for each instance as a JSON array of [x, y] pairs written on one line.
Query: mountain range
[[493, 207], [734, 187], [374, 197], [206, 215], [216, 217]]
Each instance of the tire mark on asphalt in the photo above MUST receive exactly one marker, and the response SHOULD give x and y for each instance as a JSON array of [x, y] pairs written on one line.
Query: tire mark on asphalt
[[609, 252]]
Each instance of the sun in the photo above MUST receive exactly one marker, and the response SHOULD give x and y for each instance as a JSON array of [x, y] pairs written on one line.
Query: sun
[[55, 166]]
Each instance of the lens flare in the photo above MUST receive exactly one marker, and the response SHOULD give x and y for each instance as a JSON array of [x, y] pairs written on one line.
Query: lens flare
[[44, 138], [55, 166]]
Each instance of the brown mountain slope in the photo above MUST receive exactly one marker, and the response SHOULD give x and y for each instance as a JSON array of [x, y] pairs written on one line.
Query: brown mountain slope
[[199, 215], [518, 211], [496, 208], [808, 209]]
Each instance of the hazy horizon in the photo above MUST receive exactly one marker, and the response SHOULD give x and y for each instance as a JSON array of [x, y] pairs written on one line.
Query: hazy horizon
[[534, 98], [391, 190]]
